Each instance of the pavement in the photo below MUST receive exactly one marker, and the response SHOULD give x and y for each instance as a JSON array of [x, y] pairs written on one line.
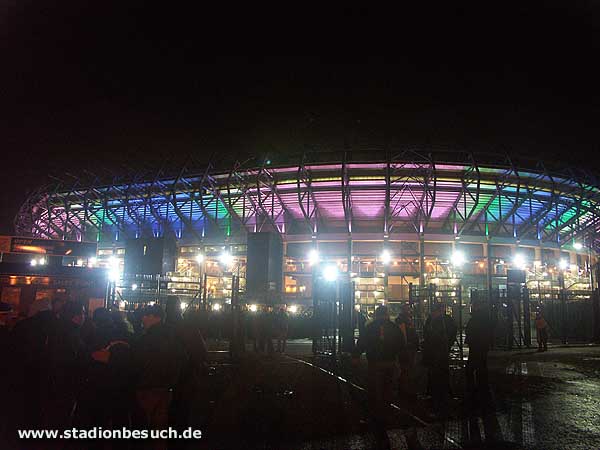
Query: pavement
[[299, 401]]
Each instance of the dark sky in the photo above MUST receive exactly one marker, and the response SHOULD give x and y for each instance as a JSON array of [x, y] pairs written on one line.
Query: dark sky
[[105, 86]]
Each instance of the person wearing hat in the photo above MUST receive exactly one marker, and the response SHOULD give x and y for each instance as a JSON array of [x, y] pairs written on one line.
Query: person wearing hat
[[478, 337], [159, 357]]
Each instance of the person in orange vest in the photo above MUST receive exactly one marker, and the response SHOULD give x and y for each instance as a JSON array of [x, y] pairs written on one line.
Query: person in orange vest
[[541, 327]]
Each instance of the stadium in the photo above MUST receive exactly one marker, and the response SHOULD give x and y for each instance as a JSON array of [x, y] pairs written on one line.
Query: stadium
[[393, 222]]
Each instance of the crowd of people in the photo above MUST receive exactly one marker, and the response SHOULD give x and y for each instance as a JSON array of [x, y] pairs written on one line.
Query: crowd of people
[[268, 330], [392, 346], [141, 369], [107, 371]]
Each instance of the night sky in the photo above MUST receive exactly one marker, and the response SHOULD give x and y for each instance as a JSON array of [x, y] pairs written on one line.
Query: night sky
[[103, 87]]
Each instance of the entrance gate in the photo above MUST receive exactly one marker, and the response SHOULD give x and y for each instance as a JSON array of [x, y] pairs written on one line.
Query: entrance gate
[[333, 317], [422, 299]]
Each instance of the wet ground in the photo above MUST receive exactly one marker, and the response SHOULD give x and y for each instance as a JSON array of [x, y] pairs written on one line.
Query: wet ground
[[545, 400]]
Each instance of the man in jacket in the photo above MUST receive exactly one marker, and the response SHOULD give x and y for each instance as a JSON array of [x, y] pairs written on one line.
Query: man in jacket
[[66, 356], [439, 333], [159, 357], [541, 328], [382, 341], [478, 338], [408, 355]]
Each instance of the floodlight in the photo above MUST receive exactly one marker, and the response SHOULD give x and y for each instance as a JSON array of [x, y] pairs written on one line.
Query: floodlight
[[33, 262], [134, 287], [41, 261], [200, 258], [92, 261], [216, 307], [519, 261], [253, 308], [293, 309], [313, 257], [113, 275], [183, 305], [563, 264], [330, 273], [385, 257], [226, 258], [457, 259], [577, 245]]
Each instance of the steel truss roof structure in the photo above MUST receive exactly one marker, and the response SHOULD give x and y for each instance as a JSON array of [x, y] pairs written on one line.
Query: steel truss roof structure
[[425, 192]]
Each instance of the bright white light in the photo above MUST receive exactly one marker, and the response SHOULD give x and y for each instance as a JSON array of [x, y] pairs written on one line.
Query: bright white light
[[293, 309], [80, 262], [563, 264], [253, 308], [200, 258], [519, 261], [113, 275], [183, 305], [577, 245], [385, 257], [226, 258], [33, 262], [457, 259], [216, 307], [313, 257], [41, 261], [113, 262], [122, 304], [134, 287], [330, 273], [92, 261]]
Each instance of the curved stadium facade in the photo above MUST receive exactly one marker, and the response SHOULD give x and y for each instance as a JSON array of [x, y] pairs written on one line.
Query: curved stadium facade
[[390, 220]]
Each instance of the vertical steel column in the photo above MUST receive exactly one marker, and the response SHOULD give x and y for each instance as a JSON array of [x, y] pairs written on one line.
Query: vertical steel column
[[563, 307], [460, 323], [204, 291], [334, 319], [526, 317], [386, 274], [489, 272], [351, 301], [421, 262], [316, 319]]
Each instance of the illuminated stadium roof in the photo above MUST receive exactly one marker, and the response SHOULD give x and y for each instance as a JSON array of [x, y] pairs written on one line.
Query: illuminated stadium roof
[[451, 193]]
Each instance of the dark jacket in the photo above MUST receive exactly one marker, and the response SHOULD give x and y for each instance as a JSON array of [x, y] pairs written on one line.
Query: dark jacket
[[479, 332], [382, 341], [67, 357], [438, 336], [412, 340], [159, 357]]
